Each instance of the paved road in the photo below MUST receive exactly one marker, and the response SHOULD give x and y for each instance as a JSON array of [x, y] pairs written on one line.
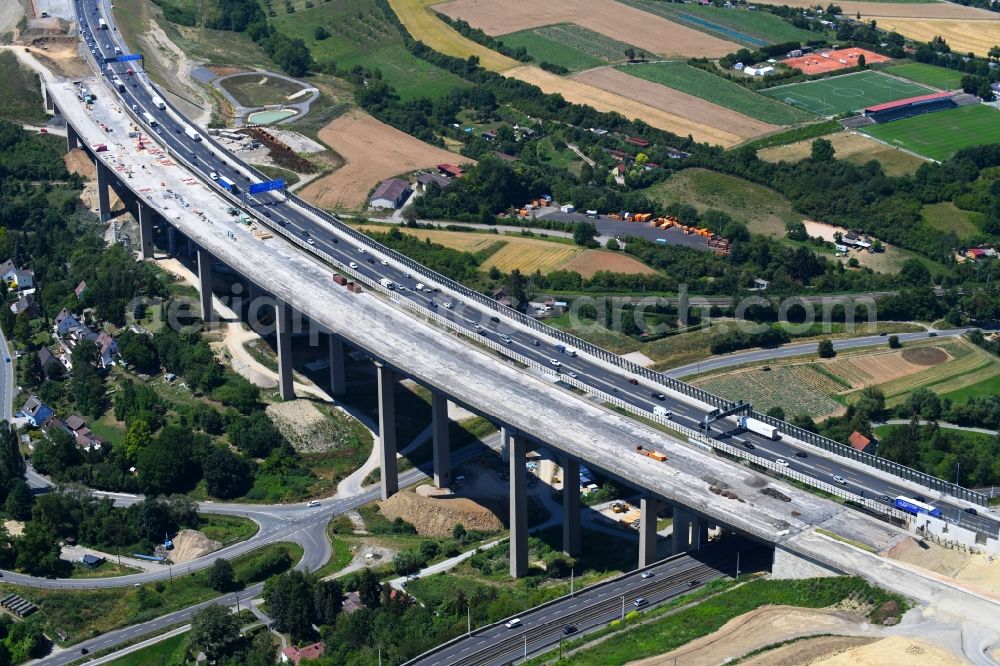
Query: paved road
[[6, 381], [594, 607], [332, 238], [800, 349], [943, 424]]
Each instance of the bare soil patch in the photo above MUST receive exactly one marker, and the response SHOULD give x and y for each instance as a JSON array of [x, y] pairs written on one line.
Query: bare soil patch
[[437, 516], [756, 629], [926, 355], [975, 571], [694, 109], [372, 151], [807, 651], [590, 262], [63, 58], [894, 651], [190, 545], [77, 162], [14, 527], [220, 70], [632, 26], [622, 100]]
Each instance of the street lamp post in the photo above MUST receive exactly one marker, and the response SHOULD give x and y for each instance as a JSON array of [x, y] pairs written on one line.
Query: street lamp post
[[623, 608]]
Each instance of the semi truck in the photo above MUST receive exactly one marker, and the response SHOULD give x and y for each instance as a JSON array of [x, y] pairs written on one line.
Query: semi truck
[[149, 118], [759, 427], [194, 136], [227, 184], [159, 103], [119, 84]]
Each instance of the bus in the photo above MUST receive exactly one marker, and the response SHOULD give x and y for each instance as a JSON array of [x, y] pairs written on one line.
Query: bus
[[227, 184], [910, 505]]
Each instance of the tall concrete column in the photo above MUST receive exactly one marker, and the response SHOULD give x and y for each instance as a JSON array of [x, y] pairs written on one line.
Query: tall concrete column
[[145, 230], [682, 531], [387, 430], [517, 447], [103, 194], [72, 138], [171, 240], [648, 508], [700, 533], [283, 330], [205, 285], [442, 443], [338, 368], [571, 507]]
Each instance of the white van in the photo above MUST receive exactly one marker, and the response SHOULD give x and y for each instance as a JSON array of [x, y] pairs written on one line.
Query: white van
[[420, 286], [662, 411], [512, 623]]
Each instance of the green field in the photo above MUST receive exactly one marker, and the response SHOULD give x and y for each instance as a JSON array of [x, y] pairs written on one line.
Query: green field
[[23, 101], [569, 45], [851, 92], [930, 75], [749, 28], [361, 35], [693, 81], [989, 386], [939, 135], [169, 652], [948, 217], [253, 90]]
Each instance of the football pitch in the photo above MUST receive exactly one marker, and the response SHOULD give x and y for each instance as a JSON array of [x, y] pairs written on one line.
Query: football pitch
[[850, 92], [940, 134]]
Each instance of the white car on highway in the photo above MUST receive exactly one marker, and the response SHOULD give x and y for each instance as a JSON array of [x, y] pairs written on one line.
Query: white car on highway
[[352, 265], [782, 462], [839, 479], [554, 362]]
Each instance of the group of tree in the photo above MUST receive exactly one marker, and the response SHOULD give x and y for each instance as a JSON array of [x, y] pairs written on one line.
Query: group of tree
[[297, 601], [215, 632]]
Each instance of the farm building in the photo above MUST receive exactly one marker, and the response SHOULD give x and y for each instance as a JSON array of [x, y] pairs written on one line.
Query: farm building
[[636, 141], [911, 106], [390, 193], [451, 171], [425, 180]]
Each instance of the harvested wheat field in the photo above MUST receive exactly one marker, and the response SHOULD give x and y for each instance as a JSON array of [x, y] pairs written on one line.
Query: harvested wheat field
[[758, 628], [632, 26], [855, 148], [940, 10], [372, 151], [867, 369], [423, 25], [695, 110], [579, 92], [962, 35], [589, 262]]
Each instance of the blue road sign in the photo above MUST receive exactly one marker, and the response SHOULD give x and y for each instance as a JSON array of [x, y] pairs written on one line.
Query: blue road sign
[[129, 56], [257, 188]]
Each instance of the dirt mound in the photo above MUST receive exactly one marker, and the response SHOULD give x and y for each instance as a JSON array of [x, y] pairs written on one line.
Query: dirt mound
[[807, 651], [77, 162], [894, 651], [925, 355], [435, 516], [190, 545]]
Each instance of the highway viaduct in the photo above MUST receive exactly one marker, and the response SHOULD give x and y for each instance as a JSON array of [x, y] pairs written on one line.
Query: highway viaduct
[[532, 406]]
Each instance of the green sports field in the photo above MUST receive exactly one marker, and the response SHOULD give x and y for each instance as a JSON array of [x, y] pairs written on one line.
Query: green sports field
[[931, 75], [939, 135], [693, 81], [850, 92]]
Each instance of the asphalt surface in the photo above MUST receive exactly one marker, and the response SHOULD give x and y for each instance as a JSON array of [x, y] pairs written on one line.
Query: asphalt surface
[[592, 608], [786, 351], [325, 235], [6, 381]]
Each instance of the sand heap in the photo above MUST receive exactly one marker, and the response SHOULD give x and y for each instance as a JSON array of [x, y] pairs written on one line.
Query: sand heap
[[436, 516]]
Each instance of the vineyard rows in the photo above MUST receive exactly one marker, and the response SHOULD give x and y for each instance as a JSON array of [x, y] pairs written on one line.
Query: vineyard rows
[[591, 43], [798, 389]]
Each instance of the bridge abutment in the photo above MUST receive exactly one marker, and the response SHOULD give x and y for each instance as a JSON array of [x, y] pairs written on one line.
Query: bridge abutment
[[441, 440], [387, 430]]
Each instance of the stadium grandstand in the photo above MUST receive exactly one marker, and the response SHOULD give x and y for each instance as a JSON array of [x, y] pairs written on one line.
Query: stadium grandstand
[[911, 106]]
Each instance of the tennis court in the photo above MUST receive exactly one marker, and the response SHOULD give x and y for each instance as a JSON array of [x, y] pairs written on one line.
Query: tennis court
[[850, 92]]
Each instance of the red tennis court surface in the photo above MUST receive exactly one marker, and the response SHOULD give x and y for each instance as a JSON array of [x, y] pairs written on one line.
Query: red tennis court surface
[[828, 61]]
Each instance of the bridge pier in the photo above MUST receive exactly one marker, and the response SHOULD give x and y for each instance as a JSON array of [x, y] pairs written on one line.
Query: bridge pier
[[648, 508], [442, 443], [683, 524], [205, 285], [387, 430], [145, 215], [72, 138], [338, 369], [571, 506], [103, 189], [171, 240], [283, 330], [517, 449]]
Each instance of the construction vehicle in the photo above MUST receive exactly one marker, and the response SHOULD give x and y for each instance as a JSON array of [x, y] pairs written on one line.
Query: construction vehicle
[[620, 507], [649, 453]]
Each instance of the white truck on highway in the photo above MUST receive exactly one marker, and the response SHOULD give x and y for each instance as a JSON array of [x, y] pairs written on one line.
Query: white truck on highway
[[149, 118], [194, 136], [159, 103], [387, 283], [759, 427]]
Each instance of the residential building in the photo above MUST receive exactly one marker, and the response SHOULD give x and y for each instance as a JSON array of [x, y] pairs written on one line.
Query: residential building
[[391, 193], [425, 180], [65, 322], [80, 290], [451, 171], [860, 443], [294, 655], [25, 303], [35, 412]]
